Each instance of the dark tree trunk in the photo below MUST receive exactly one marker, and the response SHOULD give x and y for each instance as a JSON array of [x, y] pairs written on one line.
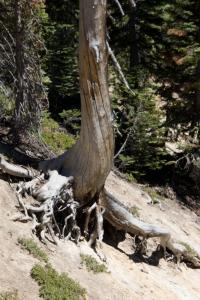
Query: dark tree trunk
[[197, 102], [19, 61], [28, 82], [134, 51]]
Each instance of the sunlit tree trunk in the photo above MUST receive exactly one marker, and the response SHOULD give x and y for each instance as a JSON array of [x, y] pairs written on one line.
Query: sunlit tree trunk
[[90, 160]]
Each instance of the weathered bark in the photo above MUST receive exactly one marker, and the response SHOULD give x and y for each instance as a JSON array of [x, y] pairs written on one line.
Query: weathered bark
[[134, 51], [19, 61], [26, 73], [60, 213], [79, 174], [90, 160], [197, 102], [15, 170]]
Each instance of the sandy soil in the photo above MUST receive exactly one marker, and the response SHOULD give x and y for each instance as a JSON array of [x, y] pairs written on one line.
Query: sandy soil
[[128, 280]]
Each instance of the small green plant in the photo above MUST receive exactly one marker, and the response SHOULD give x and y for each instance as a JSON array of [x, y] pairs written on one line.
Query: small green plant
[[92, 265], [130, 177], [13, 295], [156, 198], [31, 246], [6, 103], [51, 134], [55, 286], [189, 249], [72, 119], [135, 211]]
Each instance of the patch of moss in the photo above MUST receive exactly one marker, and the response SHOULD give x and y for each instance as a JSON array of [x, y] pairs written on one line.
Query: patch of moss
[[31, 246], [55, 286], [13, 295], [92, 265], [51, 134], [135, 211]]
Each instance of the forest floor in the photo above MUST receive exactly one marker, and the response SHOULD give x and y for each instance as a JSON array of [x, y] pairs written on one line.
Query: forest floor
[[128, 277]]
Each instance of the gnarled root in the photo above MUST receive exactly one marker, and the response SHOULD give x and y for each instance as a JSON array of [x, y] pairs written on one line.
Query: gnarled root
[[15, 170], [55, 196], [122, 219], [96, 237], [56, 213]]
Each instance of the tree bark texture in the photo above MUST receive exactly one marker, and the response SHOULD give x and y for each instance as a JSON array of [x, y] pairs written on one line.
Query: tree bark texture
[[89, 161], [19, 60], [134, 51]]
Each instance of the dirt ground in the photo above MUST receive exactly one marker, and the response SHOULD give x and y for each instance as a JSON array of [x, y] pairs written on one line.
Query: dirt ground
[[128, 279]]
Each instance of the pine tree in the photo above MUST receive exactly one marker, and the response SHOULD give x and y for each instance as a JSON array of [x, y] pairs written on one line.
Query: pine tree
[[61, 36]]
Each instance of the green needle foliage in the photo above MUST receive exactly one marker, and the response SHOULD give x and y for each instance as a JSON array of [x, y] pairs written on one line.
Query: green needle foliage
[[52, 135], [54, 286], [157, 46]]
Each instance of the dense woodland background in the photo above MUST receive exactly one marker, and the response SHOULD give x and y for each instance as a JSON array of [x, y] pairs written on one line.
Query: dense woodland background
[[156, 116]]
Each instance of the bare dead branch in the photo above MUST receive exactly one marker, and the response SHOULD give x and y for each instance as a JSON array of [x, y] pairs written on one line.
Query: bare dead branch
[[118, 67], [133, 3], [120, 7], [123, 145]]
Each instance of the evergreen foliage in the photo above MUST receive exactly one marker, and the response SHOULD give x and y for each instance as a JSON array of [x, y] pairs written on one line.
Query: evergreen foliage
[[157, 44], [55, 137], [60, 62]]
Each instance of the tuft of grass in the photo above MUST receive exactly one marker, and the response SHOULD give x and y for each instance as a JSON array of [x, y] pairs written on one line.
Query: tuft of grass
[[55, 286], [189, 249], [31, 246], [156, 198], [51, 134], [135, 211], [92, 265], [13, 295]]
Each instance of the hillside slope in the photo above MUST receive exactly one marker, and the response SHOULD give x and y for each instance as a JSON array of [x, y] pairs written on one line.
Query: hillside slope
[[128, 279]]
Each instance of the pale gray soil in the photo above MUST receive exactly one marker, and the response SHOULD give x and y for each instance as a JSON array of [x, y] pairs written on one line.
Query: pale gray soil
[[127, 279]]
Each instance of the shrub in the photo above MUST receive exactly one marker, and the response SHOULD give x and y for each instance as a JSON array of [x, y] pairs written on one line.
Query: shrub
[[54, 286], [58, 141], [92, 265], [12, 295]]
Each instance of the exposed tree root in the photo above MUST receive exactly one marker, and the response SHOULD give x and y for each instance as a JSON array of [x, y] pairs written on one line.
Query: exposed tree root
[[57, 213], [122, 219], [14, 170]]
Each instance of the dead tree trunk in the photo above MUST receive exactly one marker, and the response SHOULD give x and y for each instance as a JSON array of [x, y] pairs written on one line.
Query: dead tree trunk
[[27, 72], [90, 160], [88, 163]]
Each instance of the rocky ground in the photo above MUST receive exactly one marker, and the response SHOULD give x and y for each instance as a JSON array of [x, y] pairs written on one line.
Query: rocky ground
[[129, 278]]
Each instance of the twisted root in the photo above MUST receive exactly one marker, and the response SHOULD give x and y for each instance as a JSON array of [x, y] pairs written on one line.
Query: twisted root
[[55, 201]]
